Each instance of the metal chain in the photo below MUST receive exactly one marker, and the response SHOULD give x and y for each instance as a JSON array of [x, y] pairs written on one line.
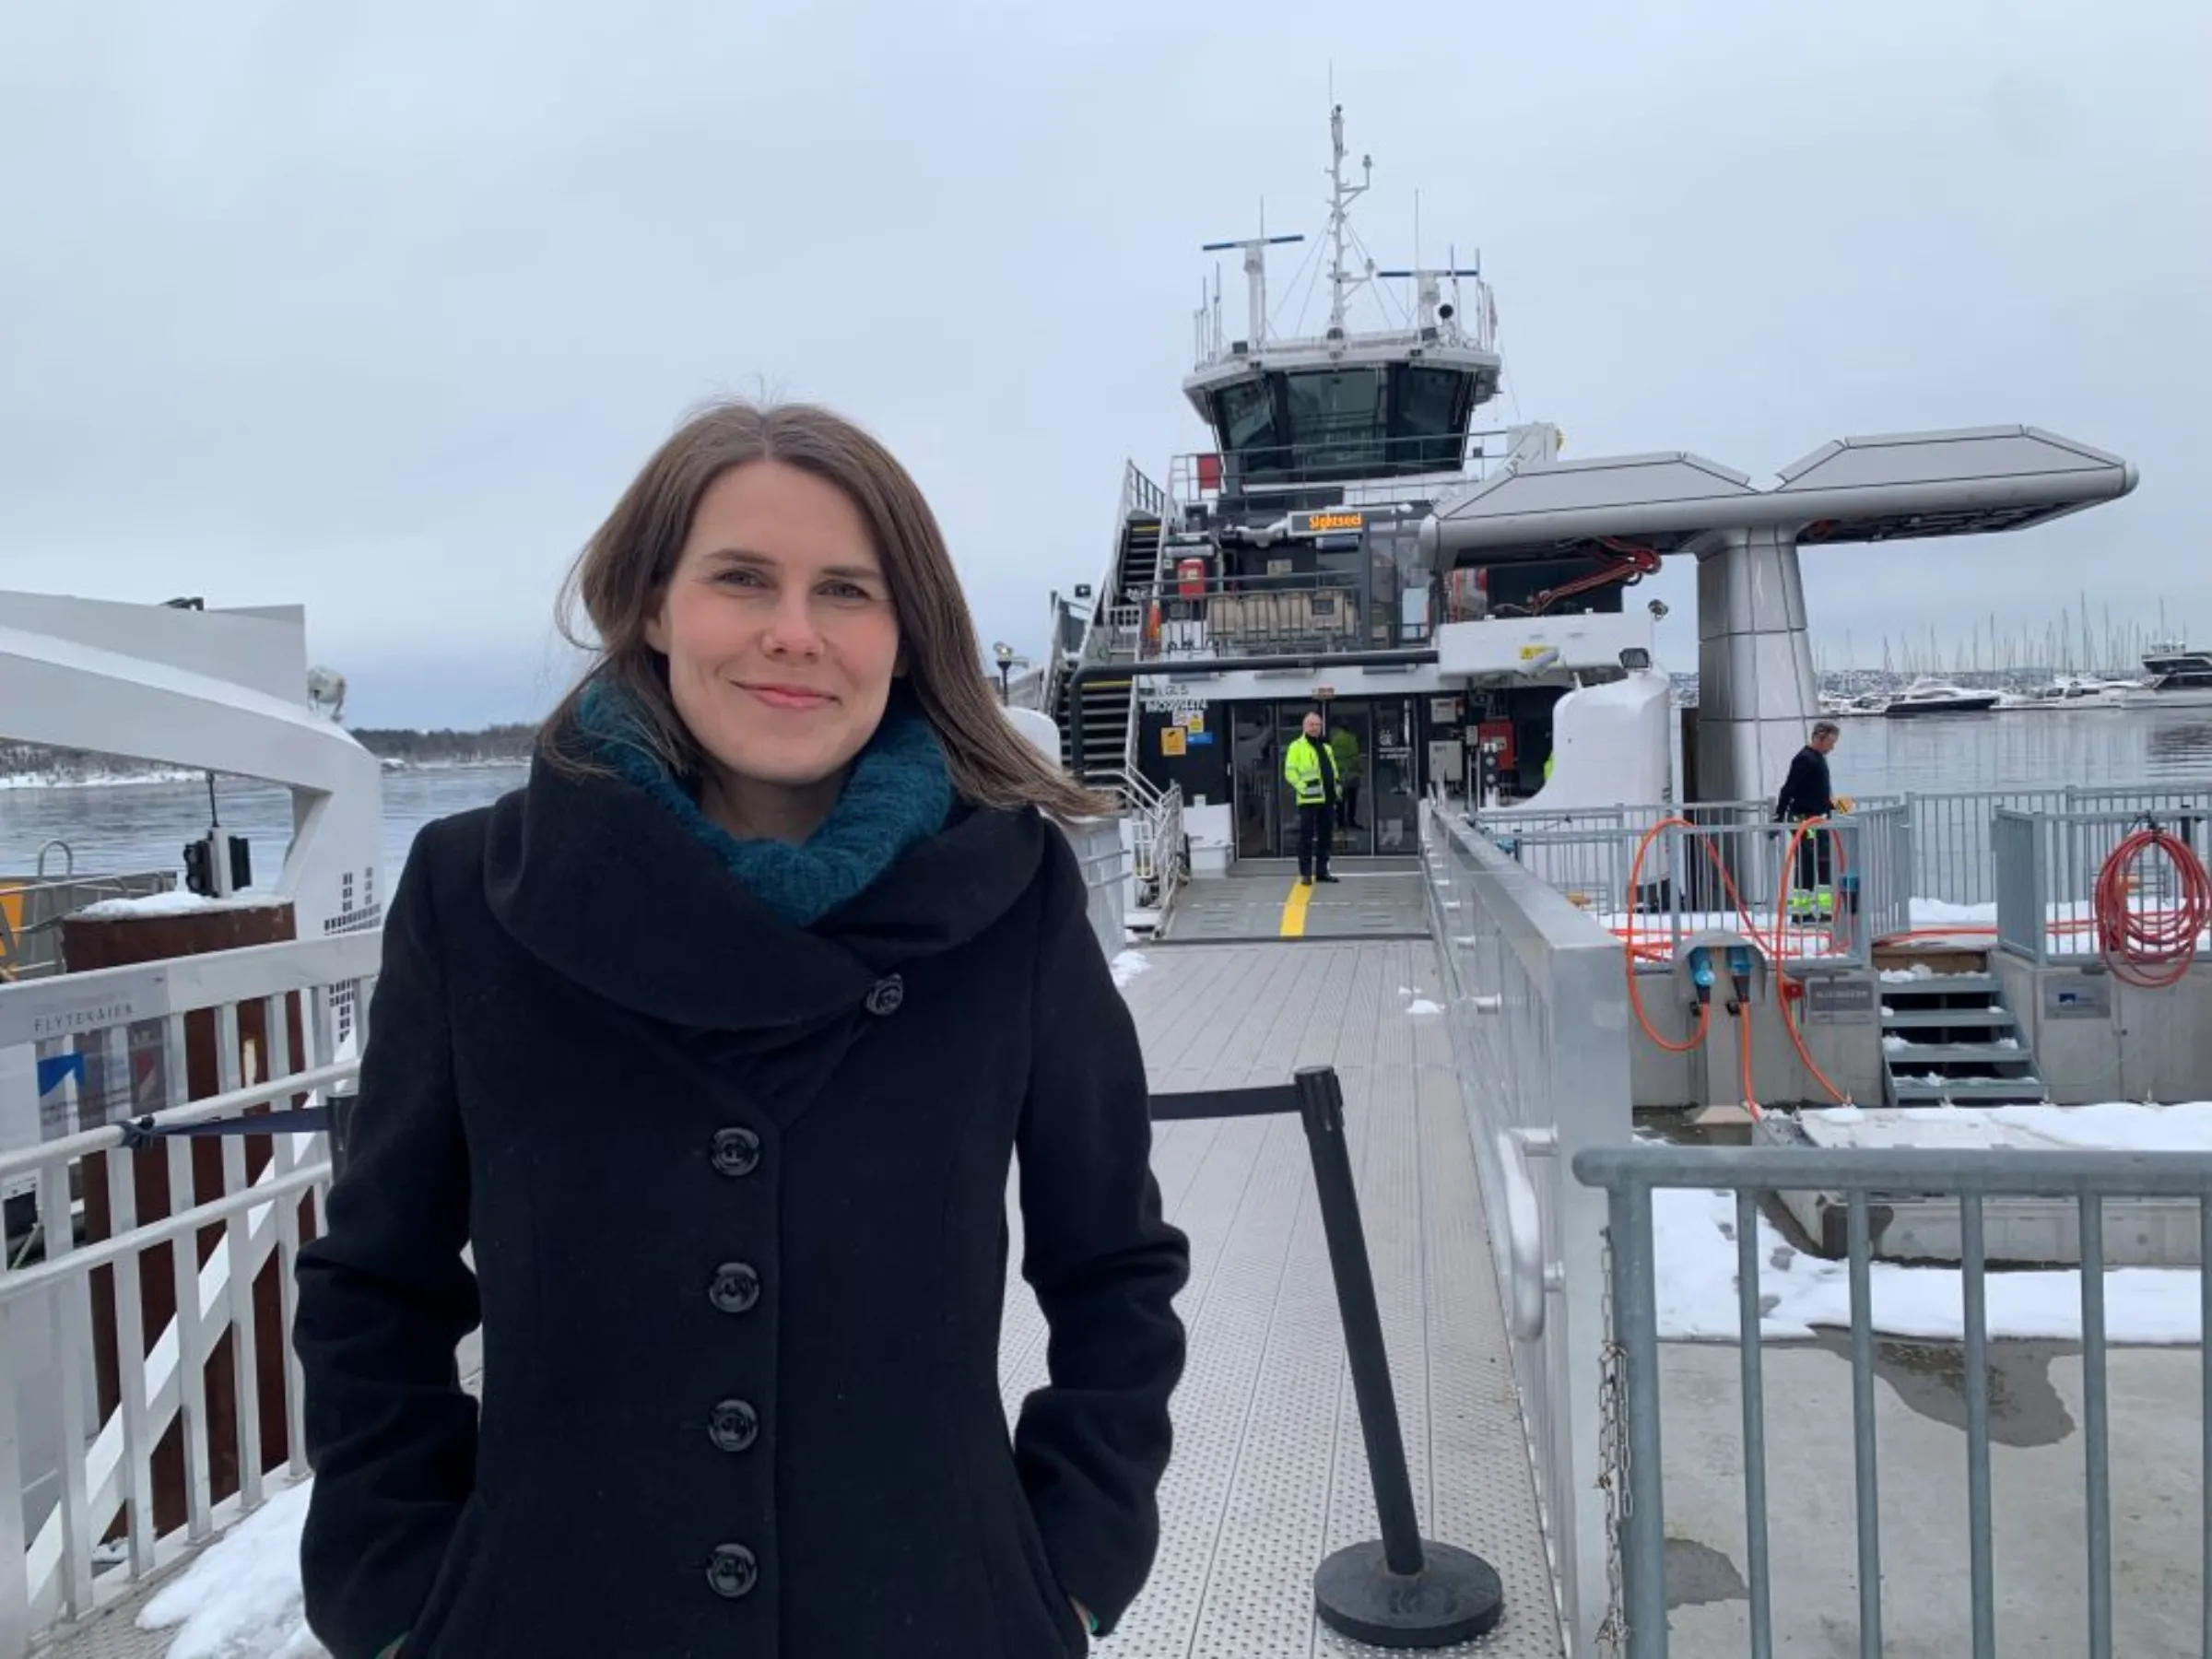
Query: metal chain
[[1612, 1461]]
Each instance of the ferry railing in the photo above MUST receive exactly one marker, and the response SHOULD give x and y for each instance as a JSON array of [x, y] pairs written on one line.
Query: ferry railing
[[1259, 616], [31, 946], [2047, 865], [1845, 879], [1628, 1176], [1335, 472], [1634, 817], [94, 1074], [1157, 850], [1537, 1011], [1953, 833]]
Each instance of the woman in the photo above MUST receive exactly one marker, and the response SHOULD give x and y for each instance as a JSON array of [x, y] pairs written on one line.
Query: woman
[[716, 1041]]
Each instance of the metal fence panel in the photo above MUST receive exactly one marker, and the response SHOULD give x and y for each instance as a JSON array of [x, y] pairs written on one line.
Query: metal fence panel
[[1628, 1175], [2047, 865], [2016, 852], [1666, 883]]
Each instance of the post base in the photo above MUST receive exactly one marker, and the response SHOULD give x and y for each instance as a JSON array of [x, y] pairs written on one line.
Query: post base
[[1456, 1597]]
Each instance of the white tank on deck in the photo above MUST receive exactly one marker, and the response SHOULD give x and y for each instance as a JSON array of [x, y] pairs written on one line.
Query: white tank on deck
[[1611, 743], [1040, 729]]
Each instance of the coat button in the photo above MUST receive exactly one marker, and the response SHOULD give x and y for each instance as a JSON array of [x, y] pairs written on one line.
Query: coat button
[[733, 1571], [735, 1289], [733, 1426], [737, 1152], [887, 994]]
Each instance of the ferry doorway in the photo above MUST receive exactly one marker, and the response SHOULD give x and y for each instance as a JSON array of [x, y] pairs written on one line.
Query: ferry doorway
[[1373, 740]]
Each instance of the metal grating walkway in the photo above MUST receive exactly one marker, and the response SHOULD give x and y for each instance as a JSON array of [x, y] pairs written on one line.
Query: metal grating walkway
[[1270, 1471]]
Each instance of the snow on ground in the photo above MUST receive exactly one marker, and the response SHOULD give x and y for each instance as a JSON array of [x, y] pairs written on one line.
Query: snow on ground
[[2113, 1126], [1127, 966], [1418, 1003], [1694, 1233], [239, 1598], [1942, 912], [33, 780]]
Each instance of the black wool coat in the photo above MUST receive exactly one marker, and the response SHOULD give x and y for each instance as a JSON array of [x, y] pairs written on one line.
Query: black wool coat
[[736, 1193]]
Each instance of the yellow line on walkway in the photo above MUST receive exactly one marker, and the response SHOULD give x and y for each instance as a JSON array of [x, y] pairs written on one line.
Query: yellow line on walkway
[[1294, 911]]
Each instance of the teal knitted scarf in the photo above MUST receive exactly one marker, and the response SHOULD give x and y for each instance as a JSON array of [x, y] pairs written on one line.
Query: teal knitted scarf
[[900, 793]]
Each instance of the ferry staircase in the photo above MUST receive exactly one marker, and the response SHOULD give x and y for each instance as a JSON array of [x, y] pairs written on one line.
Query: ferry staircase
[[1108, 703]]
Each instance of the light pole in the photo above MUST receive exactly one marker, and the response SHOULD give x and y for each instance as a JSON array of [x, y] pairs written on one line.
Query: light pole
[[1004, 654]]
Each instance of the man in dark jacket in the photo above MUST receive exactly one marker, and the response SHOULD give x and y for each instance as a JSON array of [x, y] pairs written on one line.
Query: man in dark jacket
[[1807, 792]]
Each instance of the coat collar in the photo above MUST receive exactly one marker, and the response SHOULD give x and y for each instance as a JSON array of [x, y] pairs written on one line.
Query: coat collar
[[603, 882]]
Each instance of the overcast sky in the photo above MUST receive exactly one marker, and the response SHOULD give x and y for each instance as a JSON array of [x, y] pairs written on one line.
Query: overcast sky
[[377, 309]]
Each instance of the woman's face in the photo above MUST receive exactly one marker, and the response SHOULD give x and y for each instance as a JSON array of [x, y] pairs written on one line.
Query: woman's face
[[778, 628]]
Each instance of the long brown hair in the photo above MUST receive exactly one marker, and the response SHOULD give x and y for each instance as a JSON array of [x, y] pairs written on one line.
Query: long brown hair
[[617, 582]]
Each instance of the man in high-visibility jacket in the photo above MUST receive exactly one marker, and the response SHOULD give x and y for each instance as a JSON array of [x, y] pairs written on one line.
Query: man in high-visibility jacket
[[1310, 768]]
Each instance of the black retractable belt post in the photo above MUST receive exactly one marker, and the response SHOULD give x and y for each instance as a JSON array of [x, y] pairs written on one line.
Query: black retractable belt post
[[1402, 1591]]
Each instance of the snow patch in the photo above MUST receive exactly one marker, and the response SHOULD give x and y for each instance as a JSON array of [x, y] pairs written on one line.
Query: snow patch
[[1127, 966], [241, 1598], [176, 902]]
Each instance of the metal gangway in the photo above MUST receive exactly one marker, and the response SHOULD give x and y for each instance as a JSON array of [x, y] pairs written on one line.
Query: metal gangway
[[1523, 1339]]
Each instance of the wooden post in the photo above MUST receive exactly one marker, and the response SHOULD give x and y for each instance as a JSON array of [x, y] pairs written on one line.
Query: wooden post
[[114, 941]]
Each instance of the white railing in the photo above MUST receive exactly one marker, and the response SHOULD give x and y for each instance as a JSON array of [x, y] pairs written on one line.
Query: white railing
[[1158, 861], [118, 1046], [1104, 862]]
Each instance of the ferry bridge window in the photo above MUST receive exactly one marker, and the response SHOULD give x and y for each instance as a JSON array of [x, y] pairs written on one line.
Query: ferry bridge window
[[1429, 418], [1336, 418], [1246, 415]]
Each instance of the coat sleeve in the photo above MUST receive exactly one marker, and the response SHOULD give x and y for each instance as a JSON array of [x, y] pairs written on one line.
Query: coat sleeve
[[1106, 1266], [384, 1299]]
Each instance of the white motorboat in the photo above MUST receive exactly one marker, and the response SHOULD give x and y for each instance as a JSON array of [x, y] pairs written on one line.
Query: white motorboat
[[1936, 697]]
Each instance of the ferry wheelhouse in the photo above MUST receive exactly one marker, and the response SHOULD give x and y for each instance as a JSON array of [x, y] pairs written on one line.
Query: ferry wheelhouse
[[1283, 572]]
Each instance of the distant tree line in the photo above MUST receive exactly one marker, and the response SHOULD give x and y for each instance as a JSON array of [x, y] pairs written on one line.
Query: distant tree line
[[446, 747], [63, 765]]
